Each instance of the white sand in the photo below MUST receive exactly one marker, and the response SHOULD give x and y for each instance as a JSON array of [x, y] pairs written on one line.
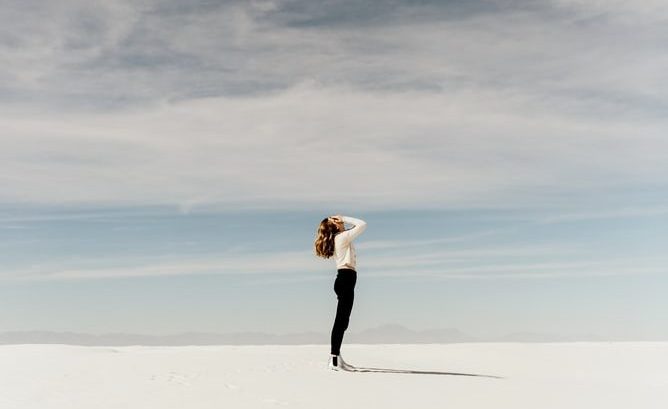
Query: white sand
[[534, 376]]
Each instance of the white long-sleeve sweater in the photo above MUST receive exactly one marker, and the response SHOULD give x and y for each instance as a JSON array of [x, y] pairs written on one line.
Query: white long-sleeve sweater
[[344, 251]]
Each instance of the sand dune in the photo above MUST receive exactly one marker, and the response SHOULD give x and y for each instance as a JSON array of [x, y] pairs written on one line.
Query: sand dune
[[513, 375]]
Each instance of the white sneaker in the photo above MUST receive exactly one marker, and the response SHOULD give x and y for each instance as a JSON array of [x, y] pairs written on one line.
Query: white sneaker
[[337, 363], [334, 363]]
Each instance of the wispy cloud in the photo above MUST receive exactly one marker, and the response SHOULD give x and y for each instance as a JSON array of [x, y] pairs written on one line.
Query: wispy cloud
[[579, 269], [232, 263], [400, 244], [236, 151], [628, 212], [475, 261], [242, 104]]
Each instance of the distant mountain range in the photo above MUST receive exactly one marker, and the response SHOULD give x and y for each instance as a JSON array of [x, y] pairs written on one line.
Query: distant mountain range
[[384, 334]]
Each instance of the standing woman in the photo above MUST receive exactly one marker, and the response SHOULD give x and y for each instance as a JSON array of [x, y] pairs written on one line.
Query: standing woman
[[333, 240]]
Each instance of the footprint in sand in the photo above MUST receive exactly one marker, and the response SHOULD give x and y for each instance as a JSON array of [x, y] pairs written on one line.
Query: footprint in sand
[[173, 377], [181, 379]]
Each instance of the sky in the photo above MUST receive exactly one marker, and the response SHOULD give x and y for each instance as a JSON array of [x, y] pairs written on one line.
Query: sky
[[164, 165]]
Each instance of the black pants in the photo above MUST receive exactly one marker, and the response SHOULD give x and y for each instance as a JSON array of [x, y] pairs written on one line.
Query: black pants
[[344, 287]]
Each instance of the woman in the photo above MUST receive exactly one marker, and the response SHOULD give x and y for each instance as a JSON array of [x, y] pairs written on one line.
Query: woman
[[333, 240]]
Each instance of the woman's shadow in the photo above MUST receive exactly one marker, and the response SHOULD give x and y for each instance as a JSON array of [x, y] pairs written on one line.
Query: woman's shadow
[[410, 371]]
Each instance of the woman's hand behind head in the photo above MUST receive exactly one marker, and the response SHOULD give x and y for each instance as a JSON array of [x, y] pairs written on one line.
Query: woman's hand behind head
[[338, 220]]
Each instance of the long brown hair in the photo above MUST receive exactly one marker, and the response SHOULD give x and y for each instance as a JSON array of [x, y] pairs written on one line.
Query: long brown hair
[[324, 241]]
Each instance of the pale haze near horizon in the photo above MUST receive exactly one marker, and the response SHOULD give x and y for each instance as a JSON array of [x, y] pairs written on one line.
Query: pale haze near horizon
[[165, 166]]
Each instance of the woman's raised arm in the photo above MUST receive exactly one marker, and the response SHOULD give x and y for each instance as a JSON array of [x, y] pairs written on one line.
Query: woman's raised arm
[[359, 226]]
